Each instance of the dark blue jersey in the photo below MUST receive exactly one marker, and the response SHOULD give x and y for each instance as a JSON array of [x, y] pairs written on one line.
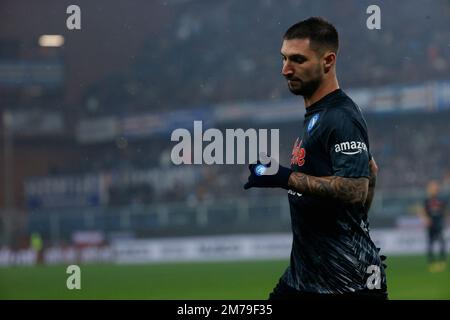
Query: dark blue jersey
[[332, 251], [435, 209]]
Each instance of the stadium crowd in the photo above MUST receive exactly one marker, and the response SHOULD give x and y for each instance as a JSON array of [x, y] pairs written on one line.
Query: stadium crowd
[[214, 52]]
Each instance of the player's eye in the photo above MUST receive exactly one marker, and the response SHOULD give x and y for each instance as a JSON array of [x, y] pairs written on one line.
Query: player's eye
[[298, 59]]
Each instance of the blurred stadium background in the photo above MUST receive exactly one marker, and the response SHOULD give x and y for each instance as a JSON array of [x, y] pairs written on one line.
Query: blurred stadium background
[[85, 169]]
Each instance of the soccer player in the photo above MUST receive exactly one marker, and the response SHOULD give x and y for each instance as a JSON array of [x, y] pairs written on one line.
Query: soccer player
[[331, 180], [434, 218]]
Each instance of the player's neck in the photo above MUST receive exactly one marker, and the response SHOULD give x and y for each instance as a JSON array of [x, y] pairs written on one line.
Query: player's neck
[[325, 88]]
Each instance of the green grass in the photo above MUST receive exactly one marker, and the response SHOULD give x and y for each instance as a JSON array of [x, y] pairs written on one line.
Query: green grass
[[408, 278]]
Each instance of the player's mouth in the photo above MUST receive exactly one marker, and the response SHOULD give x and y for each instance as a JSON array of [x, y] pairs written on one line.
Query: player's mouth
[[294, 80]]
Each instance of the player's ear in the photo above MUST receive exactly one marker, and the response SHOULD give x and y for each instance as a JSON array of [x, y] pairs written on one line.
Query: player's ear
[[329, 59]]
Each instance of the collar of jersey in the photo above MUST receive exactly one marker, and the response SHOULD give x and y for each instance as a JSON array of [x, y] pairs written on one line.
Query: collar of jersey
[[320, 104]]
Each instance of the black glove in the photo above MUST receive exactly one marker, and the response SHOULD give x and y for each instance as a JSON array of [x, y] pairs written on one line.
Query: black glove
[[257, 178]]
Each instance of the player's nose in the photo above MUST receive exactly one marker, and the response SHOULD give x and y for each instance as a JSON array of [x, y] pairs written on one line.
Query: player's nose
[[287, 70]]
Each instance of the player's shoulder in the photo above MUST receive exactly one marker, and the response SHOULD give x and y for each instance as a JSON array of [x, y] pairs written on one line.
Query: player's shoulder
[[340, 113], [343, 110], [344, 106]]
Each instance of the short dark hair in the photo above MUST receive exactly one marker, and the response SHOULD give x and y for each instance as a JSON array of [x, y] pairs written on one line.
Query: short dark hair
[[321, 33]]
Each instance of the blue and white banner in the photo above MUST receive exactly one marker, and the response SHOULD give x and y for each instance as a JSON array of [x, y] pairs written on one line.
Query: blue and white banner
[[74, 191]]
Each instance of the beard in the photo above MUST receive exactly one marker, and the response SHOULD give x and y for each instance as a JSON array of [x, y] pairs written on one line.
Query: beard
[[302, 88]]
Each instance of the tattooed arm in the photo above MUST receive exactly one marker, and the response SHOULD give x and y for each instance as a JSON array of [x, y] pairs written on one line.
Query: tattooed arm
[[348, 190], [373, 168]]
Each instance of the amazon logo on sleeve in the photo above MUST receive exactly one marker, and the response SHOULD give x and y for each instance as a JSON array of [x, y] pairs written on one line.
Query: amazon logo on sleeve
[[350, 147]]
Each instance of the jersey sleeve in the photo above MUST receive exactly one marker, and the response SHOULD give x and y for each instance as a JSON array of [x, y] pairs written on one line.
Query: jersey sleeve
[[348, 146]]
